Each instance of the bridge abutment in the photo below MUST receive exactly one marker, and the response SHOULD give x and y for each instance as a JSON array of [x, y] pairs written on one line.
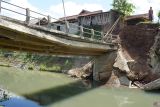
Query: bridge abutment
[[103, 66]]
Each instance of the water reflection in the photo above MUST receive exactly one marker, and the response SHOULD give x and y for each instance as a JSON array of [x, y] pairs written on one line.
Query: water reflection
[[3, 95], [50, 96], [57, 94], [122, 101], [157, 92], [87, 94], [74, 93], [19, 102], [11, 100], [156, 104]]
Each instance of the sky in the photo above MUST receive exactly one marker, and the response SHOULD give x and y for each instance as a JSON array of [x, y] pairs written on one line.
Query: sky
[[55, 7]]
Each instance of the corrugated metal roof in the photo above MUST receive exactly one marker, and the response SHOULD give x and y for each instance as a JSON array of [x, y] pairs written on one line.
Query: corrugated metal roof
[[139, 16], [81, 14]]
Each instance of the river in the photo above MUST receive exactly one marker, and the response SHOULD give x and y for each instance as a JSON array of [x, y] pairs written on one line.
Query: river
[[45, 89]]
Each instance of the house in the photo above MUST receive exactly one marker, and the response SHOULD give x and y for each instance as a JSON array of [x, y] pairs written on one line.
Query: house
[[98, 20], [135, 19]]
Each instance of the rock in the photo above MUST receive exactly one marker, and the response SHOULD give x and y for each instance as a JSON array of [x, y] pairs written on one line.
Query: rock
[[77, 72], [82, 72], [156, 104], [121, 62]]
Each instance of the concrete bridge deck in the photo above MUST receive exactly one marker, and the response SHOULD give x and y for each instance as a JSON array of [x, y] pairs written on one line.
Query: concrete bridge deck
[[25, 36], [17, 35]]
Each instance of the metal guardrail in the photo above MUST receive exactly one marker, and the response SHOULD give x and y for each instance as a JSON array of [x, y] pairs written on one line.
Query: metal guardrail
[[65, 25]]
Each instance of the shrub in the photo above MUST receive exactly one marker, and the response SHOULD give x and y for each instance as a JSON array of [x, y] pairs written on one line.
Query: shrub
[[31, 66], [51, 69]]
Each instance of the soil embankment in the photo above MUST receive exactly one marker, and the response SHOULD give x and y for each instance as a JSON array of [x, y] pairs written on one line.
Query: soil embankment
[[138, 55]]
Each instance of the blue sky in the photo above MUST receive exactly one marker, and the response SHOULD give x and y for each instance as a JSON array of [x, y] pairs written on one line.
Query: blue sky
[[43, 4], [55, 8]]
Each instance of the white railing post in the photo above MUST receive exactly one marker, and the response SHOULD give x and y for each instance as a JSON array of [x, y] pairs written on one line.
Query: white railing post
[[39, 21], [92, 31], [0, 6], [67, 26], [81, 31], [27, 15], [102, 35], [49, 19]]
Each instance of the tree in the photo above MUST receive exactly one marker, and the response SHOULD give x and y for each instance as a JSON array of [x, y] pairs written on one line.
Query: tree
[[123, 6], [158, 16]]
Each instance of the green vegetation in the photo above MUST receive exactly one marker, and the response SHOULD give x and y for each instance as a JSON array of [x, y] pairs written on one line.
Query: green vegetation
[[35, 61], [30, 67], [55, 68], [123, 6]]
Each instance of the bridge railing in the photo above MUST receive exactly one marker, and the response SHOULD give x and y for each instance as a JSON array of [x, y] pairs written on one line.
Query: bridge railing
[[52, 23]]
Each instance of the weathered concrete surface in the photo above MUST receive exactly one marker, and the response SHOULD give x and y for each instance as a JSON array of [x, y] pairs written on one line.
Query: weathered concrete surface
[[113, 81], [99, 69], [137, 56], [16, 35], [103, 66], [152, 85]]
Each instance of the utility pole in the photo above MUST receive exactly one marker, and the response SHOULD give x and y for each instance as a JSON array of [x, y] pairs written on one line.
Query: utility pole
[[66, 23], [0, 6], [64, 11]]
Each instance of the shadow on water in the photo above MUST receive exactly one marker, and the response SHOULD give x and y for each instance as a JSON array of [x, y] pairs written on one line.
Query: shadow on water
[[153, 92], [156, 103], [57, 94]]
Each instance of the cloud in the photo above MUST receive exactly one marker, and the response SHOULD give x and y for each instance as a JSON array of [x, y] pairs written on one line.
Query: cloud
[[72, 8], [22, 3], [56, 11], [142, 6]]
